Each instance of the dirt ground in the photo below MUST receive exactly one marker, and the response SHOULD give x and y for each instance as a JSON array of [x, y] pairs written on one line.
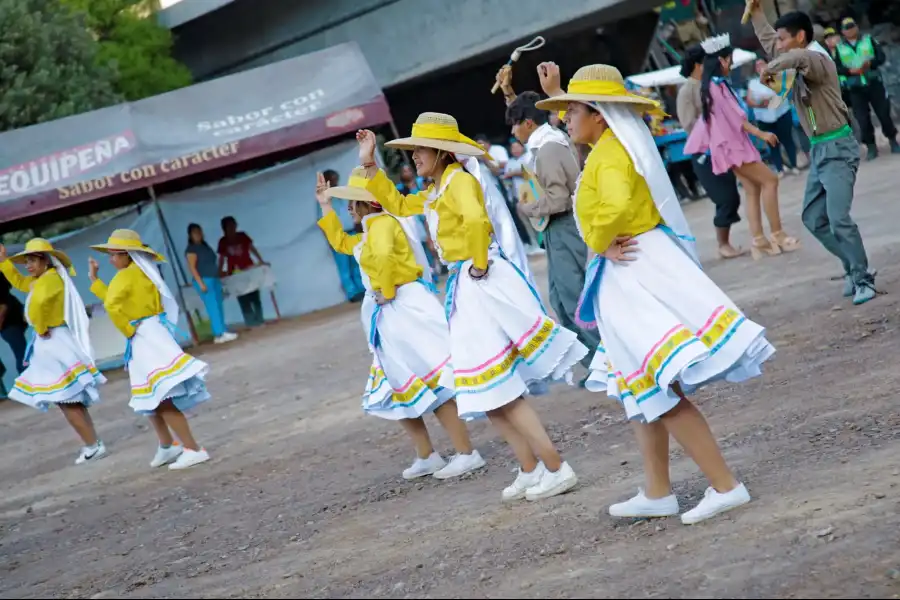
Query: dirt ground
[[303, 497]]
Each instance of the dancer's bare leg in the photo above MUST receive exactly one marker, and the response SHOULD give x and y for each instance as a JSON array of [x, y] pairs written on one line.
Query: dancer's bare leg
[[689, 428], [517, 441], [80, 419], [753, 192], [767, 181], [448, 414], [417, 430], [653, 440], [178, 423], [162, 430], [522, 417]]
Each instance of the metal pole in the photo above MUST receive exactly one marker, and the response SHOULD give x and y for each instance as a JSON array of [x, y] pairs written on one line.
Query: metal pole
[[170, 249]]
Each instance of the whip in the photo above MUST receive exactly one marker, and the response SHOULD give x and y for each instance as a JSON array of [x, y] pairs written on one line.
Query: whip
[[534, 44]]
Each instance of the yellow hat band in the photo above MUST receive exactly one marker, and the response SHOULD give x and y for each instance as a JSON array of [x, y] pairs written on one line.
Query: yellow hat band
[[136, 244], [357, 182], [611, 88], [447, 133]]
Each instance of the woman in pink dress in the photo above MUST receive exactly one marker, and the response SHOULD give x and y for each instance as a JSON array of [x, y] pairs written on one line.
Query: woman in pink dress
[[722, 134]]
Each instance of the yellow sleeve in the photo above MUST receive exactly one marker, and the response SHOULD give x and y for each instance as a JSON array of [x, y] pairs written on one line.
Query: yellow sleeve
[[340, 240], [47, 296], [99, 289], [468, 199], [115, 301], [610, 214], [380, 247], [392, 200], [15, 277]]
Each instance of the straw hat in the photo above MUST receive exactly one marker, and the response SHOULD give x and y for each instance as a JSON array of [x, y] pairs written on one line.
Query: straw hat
[[126, 240], [355, 188], [598, 83], [438, 131], [42, 246]]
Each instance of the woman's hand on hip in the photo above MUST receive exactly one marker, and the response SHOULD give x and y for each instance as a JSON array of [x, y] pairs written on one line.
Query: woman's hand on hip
[[622, 250], [380, 300]]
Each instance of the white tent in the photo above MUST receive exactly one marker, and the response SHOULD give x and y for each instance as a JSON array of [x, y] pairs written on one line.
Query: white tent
[[672, 75]]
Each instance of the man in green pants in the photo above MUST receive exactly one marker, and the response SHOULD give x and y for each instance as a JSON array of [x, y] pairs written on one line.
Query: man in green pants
[[858, 59], [834, 156]]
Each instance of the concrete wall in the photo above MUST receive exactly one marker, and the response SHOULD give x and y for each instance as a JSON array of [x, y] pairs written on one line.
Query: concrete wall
[[403, 39]]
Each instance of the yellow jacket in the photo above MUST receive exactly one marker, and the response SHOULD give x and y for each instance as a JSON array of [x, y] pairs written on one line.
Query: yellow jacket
[[464, 228], [386, 257], [130, 296], [612, 198], [47, 307]]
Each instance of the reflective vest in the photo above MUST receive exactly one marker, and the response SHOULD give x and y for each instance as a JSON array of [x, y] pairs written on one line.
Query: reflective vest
[[855, 58]]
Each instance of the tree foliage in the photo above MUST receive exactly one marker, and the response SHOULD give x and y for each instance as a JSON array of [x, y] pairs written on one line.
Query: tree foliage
[[134, 45], [48, 65]]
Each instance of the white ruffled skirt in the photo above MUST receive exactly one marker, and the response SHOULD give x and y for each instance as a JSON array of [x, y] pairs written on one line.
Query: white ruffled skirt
[[58, 372], [662, 320], [501, 338], [159, 369], [411, 372]]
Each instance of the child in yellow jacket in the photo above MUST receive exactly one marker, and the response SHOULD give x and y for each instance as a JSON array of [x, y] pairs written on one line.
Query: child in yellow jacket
[[60, 361], [164, 380]]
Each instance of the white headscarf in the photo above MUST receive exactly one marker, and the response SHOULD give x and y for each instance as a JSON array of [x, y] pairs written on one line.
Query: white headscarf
[[635, 136], [498, 212], [148, 266], [75, 312], [410, 226]]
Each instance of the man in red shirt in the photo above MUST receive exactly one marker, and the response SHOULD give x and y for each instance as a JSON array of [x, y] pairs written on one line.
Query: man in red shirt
[[235, 250]]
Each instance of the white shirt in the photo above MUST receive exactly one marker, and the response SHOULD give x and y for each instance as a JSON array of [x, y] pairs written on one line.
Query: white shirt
[[499, 154], [760, 93]]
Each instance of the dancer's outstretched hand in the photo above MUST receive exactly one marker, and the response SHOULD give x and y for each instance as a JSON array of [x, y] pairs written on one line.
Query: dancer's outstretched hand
[[321, 186], [548, 73], [367, 142], [3, 254], [770, 138], [622, 250], [93, 269]]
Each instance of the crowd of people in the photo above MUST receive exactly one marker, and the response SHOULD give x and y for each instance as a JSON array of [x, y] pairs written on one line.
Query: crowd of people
[[630, 298]]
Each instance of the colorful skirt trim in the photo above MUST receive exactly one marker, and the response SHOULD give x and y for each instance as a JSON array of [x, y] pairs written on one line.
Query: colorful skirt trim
[[58, 372], [662, 321]]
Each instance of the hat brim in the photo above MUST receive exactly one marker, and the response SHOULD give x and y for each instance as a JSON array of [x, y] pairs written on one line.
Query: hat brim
[[110, 248], [557, 103], [410, 143], [348, 192], [21, 257]]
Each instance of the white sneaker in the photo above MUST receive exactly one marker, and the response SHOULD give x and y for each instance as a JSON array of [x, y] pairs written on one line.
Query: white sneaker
[[714, 503], [166, 455], [226, 337], [794, 171], [189, 458], [643, 507], [91, 453], [553, 483], [460, 464], [424, 466], [523, 481]]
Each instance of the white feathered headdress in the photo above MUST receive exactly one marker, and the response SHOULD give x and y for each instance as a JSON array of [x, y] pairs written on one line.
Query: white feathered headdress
[[716, 44]]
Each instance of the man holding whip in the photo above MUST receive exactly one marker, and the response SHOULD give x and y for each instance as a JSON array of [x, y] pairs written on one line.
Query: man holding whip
[[552, 158]]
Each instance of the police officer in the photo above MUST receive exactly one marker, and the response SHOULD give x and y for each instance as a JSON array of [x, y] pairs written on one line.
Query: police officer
[[858, 59]]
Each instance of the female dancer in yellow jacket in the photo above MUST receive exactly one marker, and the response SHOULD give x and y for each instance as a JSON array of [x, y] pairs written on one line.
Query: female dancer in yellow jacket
[[164, 380], [60, 360], [501, 338], [666, 327], [412, 372]]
